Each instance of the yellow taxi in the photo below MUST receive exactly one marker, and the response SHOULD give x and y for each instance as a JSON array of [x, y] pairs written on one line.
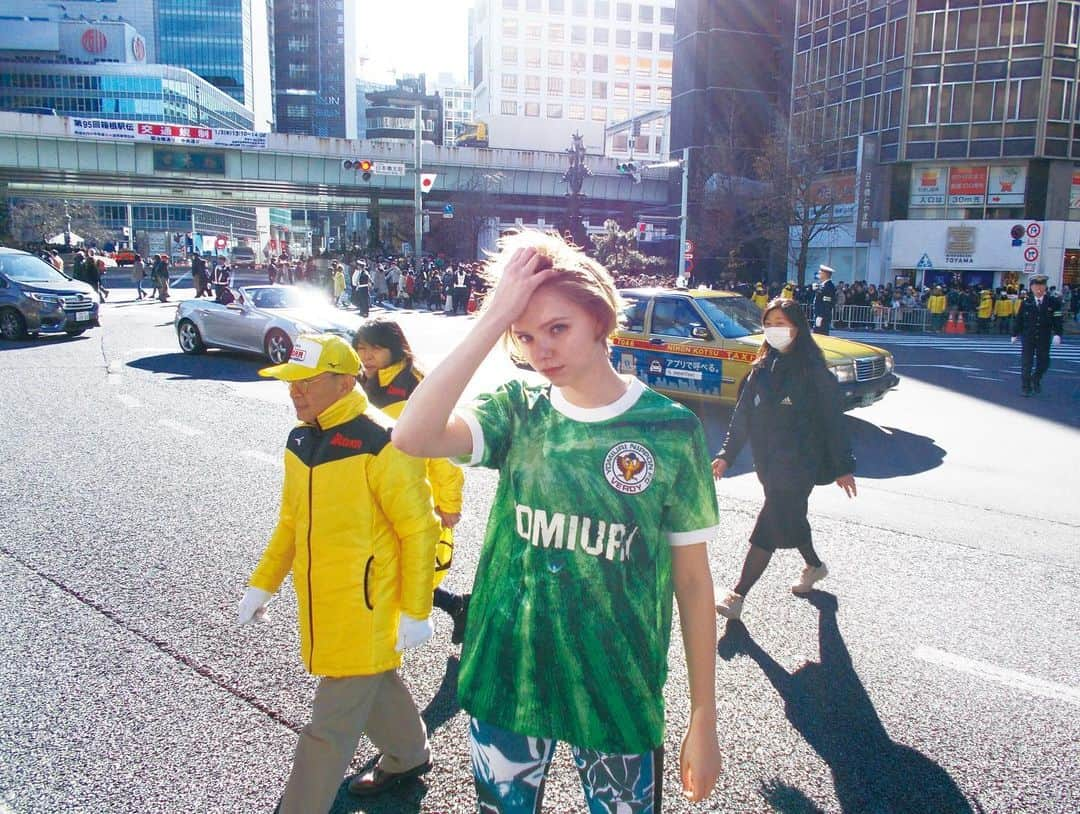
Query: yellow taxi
[[700, 343]]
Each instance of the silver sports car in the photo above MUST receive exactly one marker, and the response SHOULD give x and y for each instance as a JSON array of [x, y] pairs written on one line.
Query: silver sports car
[[264, 319]]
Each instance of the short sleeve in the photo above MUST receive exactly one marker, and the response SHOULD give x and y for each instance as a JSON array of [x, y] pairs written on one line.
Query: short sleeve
[[490, 420], [690, 514]]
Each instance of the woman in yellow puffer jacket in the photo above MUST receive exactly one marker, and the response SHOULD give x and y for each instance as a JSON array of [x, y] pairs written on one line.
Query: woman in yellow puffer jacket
[[936, 306], [389, 376]]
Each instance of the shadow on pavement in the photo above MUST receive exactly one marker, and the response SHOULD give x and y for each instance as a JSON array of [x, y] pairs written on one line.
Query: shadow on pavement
[[212, 366], [827, 703], [880, 452], [46, 341], [443, 705], [788, 799], [888, 452]]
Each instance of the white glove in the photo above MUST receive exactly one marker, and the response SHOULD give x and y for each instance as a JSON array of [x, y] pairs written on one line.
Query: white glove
[[413, 632], [819, 322], [1013, 340], [1057, 339], [253, 606]]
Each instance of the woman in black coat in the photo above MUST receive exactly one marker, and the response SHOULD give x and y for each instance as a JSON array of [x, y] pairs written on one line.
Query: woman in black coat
[[790, 411]]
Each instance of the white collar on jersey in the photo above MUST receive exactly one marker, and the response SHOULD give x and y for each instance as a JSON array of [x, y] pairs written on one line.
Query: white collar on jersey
[[593, 414]]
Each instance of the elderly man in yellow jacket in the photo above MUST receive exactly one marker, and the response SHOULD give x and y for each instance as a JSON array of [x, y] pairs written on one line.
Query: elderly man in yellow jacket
[[358, 531]]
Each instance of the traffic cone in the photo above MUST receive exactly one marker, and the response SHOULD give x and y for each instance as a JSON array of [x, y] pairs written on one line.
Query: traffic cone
[[950, 326], [471, 306], [961, 328]]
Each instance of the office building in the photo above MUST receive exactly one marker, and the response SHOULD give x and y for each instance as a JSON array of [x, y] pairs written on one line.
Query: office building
[[970, 110], [98, 68], [139, 14], [391, 113], [363, 88], [315, 68], [545, 69], [457, 106], [216, 39]]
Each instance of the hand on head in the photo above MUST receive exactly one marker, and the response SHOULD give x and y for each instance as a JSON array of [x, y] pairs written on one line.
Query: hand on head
[[525, 272]]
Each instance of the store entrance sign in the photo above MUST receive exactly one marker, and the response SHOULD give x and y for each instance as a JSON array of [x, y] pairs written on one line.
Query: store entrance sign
[[959, 245], [929, 186], [967, 186], [1007, 186]]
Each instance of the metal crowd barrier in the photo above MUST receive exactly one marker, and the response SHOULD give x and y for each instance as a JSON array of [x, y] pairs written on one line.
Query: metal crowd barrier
[[910, 320]]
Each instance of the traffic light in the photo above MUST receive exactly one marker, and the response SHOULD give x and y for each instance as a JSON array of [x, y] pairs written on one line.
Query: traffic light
[[365, 166], [629, 168], [641, 231]]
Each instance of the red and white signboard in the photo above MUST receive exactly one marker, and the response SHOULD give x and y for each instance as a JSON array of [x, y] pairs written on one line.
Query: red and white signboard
[[138, 48], [967, 186], [166, 133], [94, 41], [1031, 254]]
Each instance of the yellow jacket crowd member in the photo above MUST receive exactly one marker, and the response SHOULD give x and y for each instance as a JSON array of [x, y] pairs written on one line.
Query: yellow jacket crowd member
[[389, 376], [388, 390], [760, 298], [985, 311], [788, 291], [1003, 312], [357, 531], [936, 305]]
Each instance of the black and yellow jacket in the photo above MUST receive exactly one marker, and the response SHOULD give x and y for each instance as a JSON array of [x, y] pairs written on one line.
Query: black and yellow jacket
[[388, 390], [357, 531]]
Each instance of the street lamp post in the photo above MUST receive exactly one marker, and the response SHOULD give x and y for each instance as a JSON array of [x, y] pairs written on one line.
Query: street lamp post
[[681, 279], [418, 201]]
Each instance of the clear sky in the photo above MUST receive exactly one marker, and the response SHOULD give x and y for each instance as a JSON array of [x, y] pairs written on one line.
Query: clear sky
[[413, 36]]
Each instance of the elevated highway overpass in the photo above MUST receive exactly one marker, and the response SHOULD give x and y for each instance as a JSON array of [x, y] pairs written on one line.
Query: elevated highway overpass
[[41, 156]]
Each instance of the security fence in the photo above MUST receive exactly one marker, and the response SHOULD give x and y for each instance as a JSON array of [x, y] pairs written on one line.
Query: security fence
[[910, 320]]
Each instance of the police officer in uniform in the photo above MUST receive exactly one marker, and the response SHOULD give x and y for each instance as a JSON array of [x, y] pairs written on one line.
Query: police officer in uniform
[[823, 301], [1038, 321]]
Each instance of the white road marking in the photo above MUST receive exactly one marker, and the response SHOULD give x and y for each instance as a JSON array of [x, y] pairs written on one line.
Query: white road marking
[[130, 401], [261, 456], [183, 429], [985, 378], [963, 368], [1001, 675]]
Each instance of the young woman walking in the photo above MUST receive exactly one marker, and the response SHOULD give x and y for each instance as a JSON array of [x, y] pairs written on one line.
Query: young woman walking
[[790, 411], [602, 515], [389, 376]]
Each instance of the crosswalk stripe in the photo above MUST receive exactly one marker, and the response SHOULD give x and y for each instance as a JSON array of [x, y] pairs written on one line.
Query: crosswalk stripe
[[992, 345]]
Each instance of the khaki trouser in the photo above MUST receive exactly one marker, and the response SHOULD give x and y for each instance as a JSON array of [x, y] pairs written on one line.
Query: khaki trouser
[[378, 706]]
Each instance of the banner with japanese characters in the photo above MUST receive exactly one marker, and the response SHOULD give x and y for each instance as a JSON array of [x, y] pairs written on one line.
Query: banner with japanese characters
[[184, 134]]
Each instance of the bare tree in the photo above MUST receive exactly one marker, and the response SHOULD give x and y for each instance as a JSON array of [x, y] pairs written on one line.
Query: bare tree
[[474, 202], [802, 205], [617, 251], [36, 220]]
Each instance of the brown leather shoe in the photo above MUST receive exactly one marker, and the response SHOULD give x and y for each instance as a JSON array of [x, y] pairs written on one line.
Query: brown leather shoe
[[375, 780]]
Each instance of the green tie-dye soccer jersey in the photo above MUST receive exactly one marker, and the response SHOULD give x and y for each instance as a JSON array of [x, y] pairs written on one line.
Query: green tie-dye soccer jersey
[[570, 619]]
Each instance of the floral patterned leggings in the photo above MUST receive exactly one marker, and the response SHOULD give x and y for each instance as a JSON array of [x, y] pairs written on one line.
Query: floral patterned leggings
[[509, 771]]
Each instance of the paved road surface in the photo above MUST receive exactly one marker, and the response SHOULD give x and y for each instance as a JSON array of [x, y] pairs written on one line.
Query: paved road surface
[[937, 672]]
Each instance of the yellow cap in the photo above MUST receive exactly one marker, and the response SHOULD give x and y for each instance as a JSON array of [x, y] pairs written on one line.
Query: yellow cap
[[313, 354]]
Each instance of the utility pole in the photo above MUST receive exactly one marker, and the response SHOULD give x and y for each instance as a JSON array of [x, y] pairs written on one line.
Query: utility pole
[[418, 200], [681, 281]]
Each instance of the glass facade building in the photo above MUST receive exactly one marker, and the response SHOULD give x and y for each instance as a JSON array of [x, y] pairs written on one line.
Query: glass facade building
[[211, 38], [148, 93], [314, 68], [972, 107]]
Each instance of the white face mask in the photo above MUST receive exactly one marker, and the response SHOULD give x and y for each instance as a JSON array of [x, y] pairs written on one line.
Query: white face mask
[[779, 337]]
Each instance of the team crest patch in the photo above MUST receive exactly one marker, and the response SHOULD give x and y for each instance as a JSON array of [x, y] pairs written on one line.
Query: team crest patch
[[629, 468]]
